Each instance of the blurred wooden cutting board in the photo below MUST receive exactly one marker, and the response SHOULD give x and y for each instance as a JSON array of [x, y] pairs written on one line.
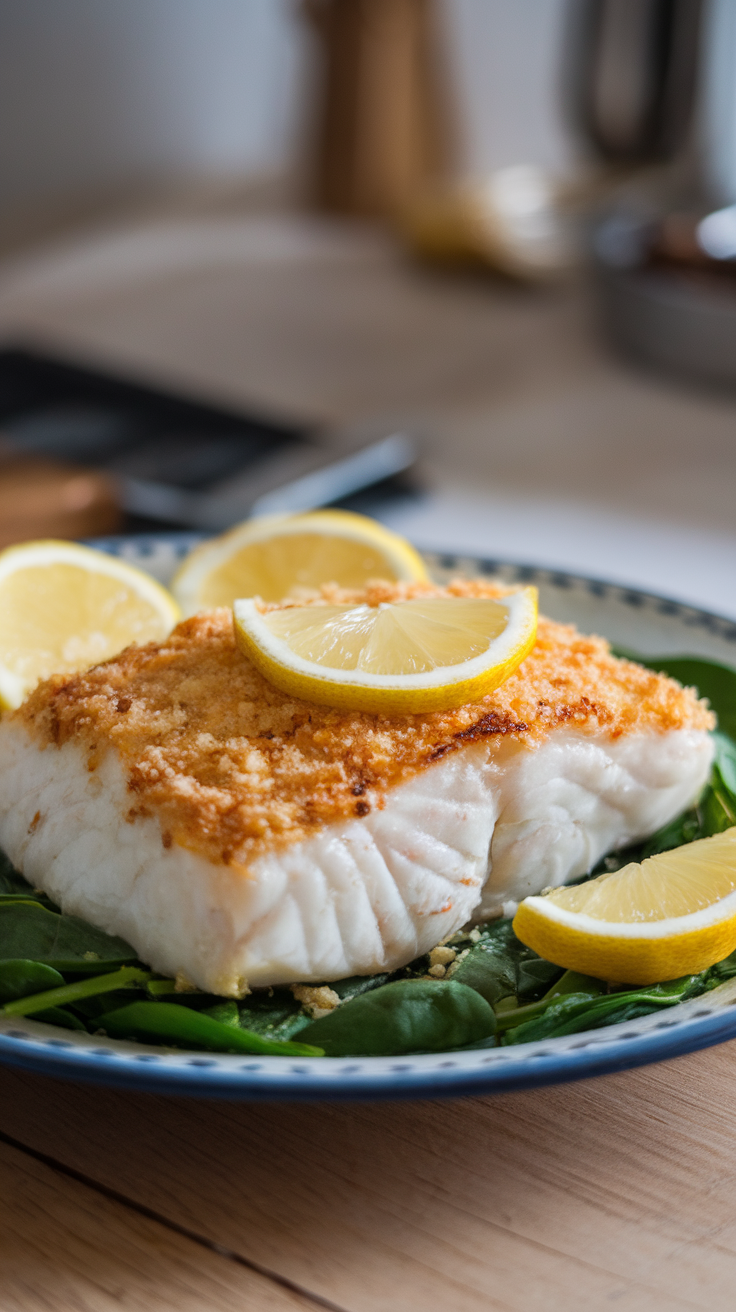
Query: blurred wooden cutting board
[[50, 499]]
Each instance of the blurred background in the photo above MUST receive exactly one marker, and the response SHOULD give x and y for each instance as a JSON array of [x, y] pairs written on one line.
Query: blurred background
[[467, 265]]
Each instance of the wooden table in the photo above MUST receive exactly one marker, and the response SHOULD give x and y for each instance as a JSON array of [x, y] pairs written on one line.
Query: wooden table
[[618, 1191]]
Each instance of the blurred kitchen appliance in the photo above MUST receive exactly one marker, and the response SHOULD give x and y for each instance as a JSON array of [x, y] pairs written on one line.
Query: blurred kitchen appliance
[[641, 81], [634, 76], [75, 439]]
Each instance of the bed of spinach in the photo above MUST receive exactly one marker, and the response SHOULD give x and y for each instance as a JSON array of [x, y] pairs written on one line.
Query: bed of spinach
[[59, 969]]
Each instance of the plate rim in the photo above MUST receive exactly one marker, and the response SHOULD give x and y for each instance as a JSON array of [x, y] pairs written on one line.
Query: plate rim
[[44, 1049], [584, 1056]]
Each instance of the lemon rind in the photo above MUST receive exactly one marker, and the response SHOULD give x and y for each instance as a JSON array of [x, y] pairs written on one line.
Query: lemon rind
[[543, 909], [629, 959]]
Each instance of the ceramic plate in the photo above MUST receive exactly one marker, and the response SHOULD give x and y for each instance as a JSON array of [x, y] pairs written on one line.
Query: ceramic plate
[[629, 618]]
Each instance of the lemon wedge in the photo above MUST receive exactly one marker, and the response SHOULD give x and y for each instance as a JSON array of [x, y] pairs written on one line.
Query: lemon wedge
[[285, 555], [401, 657], [64, 607], [675, 914]]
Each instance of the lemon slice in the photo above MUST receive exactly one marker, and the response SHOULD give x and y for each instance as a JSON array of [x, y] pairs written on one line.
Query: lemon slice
[[64, 607], [675, 914], [401, 657], [282, 555]]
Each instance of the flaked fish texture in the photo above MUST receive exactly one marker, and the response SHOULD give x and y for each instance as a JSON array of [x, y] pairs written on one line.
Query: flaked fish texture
[[243, 838]]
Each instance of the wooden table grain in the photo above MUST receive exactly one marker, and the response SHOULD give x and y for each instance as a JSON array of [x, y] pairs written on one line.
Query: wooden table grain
[[615, 1192]]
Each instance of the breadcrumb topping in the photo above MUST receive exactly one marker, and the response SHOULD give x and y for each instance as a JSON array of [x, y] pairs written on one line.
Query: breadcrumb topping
[[233, 768]]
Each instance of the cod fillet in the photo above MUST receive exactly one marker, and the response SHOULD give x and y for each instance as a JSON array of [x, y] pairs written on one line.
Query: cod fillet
[[240, 838]]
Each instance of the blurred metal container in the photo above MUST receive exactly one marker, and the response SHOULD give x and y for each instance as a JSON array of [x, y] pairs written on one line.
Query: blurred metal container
[[679, 319], [639, 78]]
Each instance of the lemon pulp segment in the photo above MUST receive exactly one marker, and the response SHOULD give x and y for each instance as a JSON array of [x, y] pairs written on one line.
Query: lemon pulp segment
[[285, 555], [64, 607], [399, 657], [674, 914], [275, 568], [407, 637]]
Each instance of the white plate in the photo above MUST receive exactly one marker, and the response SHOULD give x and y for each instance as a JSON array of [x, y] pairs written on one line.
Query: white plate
[[629, 618]]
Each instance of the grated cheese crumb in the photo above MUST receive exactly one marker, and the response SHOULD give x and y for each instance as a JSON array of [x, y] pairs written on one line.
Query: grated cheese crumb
[[441, 956], [317, 1001]]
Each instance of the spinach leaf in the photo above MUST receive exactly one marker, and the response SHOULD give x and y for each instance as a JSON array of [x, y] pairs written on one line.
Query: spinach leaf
[[406, 1016], [225, 1012], [164, 1022], [726, 761], [489, 967], [68, 993], [357, 984], [499, 964], [719, 973], [579, 1011], [91, 1008], [60, 1016], [571, 982], [19, 978], [273, 1013], [30, 931]]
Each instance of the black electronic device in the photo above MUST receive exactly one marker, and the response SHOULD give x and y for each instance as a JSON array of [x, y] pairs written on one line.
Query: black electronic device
[[177, 460]]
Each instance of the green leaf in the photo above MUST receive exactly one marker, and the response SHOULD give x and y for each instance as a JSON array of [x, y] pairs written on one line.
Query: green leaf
[[81, 988], [534, 975], [19, 978], [273, 1014], [489, 969], [60, 1016], [403, 1017], [355, 985], [90, 1009], [30, 931], [164, 1022], [722, 970], [225, 1012], [726, 761], [573, 982], [499, 964], [578, 1011]]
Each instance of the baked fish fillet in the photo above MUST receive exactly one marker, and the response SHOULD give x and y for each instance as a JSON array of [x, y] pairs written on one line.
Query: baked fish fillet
[[240, 838]]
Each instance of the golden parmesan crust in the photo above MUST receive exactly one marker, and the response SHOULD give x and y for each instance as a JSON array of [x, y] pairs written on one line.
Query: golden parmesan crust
[[234, 768]]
